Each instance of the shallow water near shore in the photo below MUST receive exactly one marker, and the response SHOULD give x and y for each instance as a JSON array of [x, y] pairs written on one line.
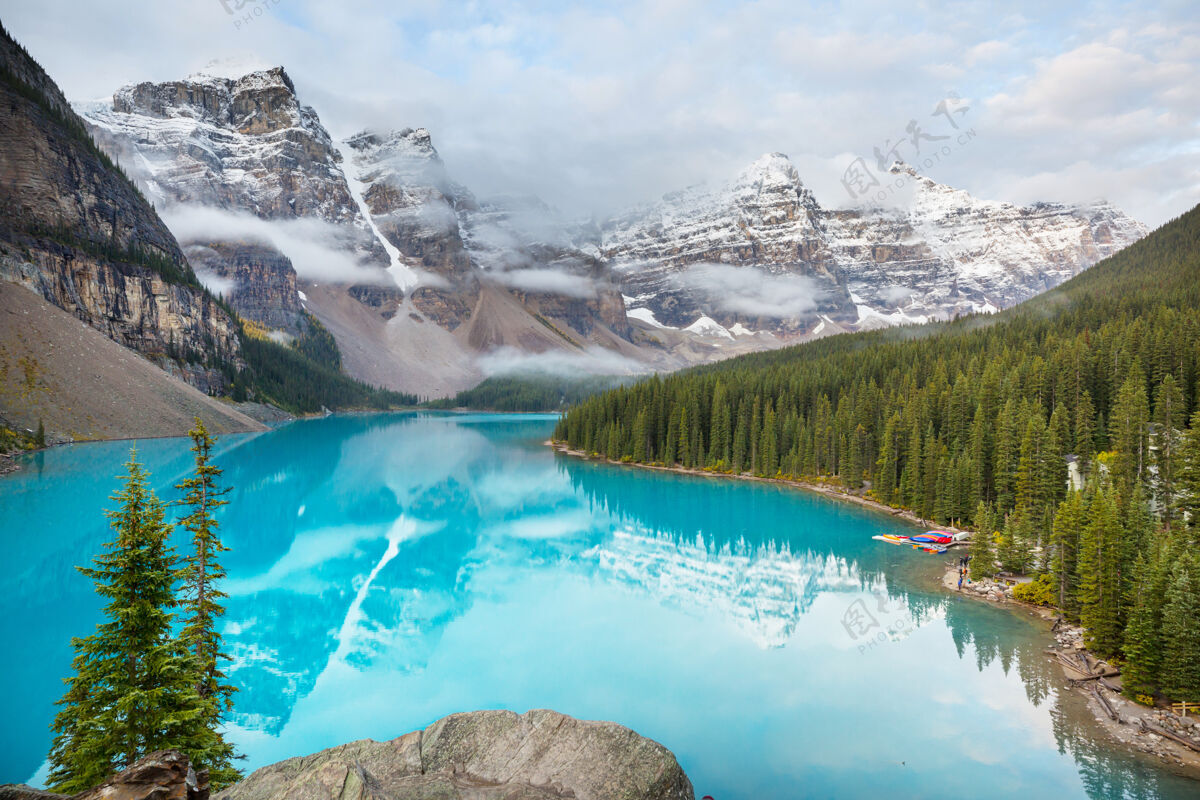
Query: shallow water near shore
[[387, 570]]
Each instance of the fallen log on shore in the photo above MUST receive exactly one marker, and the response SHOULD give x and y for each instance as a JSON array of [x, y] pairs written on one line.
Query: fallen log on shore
[[1103, 701], [1084, 679], [1166, 734], [1087, 672]]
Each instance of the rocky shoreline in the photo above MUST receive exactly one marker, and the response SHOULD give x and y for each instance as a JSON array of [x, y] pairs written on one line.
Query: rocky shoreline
[[1138, 727]]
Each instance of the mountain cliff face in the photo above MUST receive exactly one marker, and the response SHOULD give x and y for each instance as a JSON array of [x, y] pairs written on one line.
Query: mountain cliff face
[[244, 144], [78, 233], [945, 254], [259, 281], [442, 286], [413, 207]]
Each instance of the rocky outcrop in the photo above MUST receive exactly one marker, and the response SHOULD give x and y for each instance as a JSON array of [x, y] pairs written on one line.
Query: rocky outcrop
[[243, 143], [385, 299], [540, 755], [76, 231], [256, 279], [162, 775], [138, 308]]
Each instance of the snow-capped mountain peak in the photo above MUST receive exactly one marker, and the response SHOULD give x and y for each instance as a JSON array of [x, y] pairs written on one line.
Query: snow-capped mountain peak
[[944, 253]]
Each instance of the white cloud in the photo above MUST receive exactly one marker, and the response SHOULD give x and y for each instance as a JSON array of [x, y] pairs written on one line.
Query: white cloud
[[751, 291], [217, 284], [986, 52], [593, 108], [548, 281], [315, 247], [593, 361]]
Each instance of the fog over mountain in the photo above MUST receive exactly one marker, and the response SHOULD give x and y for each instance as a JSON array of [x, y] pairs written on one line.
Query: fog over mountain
[[594, 107]]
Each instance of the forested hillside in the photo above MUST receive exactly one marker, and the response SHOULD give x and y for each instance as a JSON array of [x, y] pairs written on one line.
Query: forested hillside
[[531, 392], [977, 422]]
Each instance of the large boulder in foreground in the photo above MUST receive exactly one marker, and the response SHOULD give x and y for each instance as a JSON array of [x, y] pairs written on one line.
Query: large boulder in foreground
[[484, 755]]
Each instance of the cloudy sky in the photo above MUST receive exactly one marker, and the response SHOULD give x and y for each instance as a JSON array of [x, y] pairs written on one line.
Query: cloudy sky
[[597, 105]]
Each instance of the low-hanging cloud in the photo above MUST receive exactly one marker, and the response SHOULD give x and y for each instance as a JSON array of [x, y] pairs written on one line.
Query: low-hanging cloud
[[593, 361], [895, 294], [752, 291], [318, 250], [547, 281]]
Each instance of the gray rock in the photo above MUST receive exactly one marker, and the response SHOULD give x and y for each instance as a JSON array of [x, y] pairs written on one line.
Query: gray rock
[[161, 775], [539, 755], [21, 791]]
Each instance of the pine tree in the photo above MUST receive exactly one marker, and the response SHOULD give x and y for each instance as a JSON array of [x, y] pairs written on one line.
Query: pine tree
[[685, 446], [769, 447], [1127, 429], [1143, 634], [1169, 419], [983, 551], [1007, 446], [639, 436], [201, 607], [133, 691], [740, 453], [1189, 474], [910, 476], [1085, 431], [1068, 527], [671, 447], [888, 465], [1181, 632], [1099, 575]]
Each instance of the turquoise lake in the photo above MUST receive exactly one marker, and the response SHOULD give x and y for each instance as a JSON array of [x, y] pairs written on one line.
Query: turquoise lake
[[387, 570]]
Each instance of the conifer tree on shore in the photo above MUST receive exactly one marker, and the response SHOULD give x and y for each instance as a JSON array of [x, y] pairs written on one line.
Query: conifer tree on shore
[[133, 689], [1181, 632], [1143, 636], [138, 687], [201, 606]]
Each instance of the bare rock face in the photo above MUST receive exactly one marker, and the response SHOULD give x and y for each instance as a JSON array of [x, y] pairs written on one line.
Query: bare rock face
[[540, 755], [257, 280], [76, 231], [162, 775]]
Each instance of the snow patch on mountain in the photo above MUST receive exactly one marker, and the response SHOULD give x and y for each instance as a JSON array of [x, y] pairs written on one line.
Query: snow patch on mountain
[[707, 326], [405, 276]]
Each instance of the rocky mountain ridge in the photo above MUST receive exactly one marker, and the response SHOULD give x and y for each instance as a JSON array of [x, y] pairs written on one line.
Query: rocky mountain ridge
[[441, 288], [444, 283], [944, 254]]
